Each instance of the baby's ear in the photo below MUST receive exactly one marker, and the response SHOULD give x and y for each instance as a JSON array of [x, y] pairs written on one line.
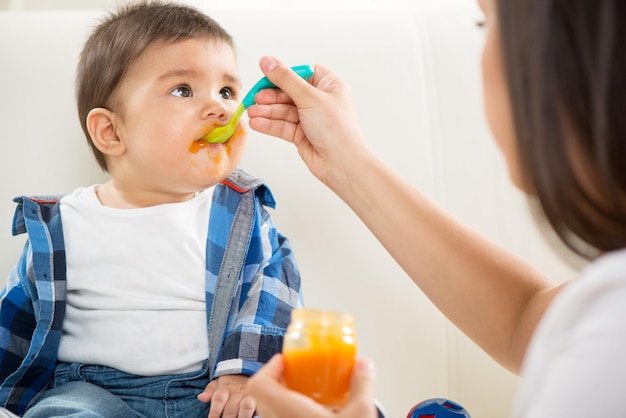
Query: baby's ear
[[101, 127]]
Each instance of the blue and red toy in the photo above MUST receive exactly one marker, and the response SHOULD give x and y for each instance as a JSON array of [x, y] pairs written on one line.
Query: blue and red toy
[[438, 408]]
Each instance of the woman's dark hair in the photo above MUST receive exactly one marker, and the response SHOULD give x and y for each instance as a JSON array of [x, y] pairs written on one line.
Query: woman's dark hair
[[117, 42], [566, 69]]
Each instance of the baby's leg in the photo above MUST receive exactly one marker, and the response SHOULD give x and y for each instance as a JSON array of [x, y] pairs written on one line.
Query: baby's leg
[[81, 398]]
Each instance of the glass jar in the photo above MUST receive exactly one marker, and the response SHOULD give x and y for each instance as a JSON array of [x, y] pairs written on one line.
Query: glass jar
[[319, 351]]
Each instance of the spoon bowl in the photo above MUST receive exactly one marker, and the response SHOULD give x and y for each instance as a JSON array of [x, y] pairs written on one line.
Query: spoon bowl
[[221, 134]]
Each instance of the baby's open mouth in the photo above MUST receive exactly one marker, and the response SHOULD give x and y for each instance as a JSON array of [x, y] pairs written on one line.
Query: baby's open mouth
[[214, 134]]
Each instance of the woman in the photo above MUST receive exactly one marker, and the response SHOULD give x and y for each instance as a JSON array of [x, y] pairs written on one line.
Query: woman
[[554, 95]]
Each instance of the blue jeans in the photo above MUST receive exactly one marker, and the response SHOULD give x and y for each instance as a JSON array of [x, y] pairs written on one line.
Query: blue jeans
[[86, 391]]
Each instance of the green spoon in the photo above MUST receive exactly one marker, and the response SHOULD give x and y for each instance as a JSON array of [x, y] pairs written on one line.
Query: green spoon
[[221, 134]]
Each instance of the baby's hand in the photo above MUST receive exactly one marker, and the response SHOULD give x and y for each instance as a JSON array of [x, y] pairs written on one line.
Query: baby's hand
[[228, 397]]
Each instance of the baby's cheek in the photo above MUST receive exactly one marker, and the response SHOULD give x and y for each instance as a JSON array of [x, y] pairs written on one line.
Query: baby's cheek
[[236, 145]]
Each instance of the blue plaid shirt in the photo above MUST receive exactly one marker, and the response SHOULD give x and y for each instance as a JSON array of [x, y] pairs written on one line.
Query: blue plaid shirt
[[32, 305]]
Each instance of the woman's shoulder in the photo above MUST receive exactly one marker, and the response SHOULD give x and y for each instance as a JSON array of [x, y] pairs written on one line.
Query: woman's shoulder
[[606, 272], [578, 347], [599, 290]]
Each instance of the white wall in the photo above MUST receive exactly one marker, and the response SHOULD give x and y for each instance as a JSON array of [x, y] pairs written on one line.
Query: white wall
[[415, 79]]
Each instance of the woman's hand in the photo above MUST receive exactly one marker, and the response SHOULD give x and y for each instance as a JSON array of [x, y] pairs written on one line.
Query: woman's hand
[[274, 400], [319, 117]]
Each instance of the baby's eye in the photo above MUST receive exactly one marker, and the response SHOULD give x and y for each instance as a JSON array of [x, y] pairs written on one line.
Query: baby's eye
[[227, 93], [181, 91]]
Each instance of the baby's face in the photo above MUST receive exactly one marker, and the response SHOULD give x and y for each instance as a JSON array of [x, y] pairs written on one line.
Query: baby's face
[[170, 98]]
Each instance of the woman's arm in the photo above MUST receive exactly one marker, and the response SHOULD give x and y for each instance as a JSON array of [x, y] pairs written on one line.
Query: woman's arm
[[492, 296]]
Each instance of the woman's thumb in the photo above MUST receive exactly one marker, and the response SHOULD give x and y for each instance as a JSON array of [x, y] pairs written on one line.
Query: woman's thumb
[[284, 77], [361, 403], [363, 379]]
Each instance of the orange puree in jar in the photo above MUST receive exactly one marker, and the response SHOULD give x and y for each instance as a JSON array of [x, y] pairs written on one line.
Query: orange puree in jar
[[319, 352]]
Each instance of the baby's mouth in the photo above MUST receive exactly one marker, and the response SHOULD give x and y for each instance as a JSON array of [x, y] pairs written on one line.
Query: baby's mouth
[[203, 141], [207, 131]]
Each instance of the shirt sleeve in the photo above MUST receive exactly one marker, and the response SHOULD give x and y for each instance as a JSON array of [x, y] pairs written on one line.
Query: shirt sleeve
[[576, 366], [17, 324]]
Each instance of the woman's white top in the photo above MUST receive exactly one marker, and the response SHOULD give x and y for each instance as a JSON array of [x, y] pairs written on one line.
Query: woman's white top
[[135, 284], [575, 366]]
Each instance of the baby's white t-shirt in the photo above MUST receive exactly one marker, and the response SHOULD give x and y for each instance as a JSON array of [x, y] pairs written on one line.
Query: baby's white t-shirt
[[576, 363], [135, 284]]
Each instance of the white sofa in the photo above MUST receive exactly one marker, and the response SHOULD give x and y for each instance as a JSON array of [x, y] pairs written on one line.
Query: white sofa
[[416, 81]]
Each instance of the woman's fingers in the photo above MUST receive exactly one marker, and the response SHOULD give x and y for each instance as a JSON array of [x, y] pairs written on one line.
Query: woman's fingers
[[279, 112], [281, 121], [274, 400], [272, 96], [287, 80]]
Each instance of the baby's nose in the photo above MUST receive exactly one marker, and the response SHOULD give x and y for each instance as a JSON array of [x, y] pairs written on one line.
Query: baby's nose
[[215, 109]]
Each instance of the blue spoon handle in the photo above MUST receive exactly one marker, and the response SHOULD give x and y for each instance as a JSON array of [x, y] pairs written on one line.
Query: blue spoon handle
[[304, 71]]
